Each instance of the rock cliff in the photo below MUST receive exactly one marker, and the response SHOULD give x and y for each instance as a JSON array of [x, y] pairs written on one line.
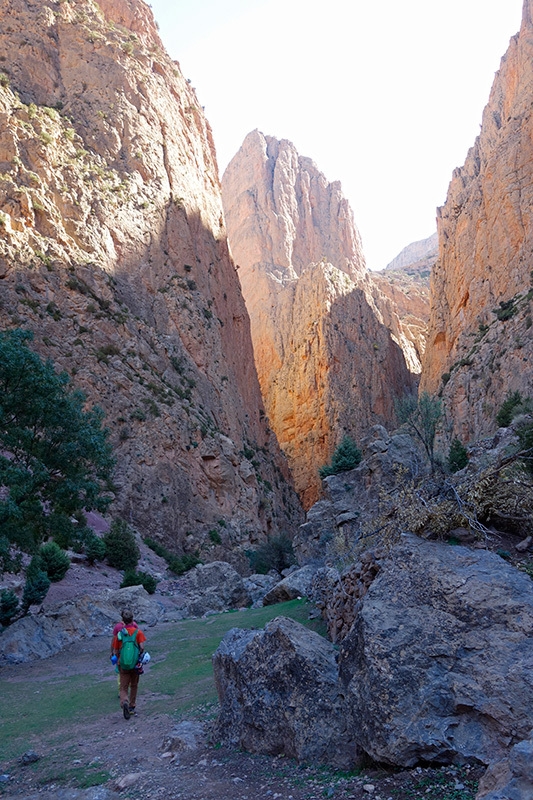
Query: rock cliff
[[479, 343], [113, 251], [328, 345]]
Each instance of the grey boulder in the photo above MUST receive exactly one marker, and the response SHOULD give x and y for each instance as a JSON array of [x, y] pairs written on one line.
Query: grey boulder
[[279, 693]]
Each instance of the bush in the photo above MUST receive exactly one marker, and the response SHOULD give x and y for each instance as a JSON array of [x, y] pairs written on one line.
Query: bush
[[36, 586], [458, 456], [9, 605], [132, 578], [95, 548], [121, 548], [508, 409], [276, 553], [54, 561], [346, 456], [181, 564], [177, 564]]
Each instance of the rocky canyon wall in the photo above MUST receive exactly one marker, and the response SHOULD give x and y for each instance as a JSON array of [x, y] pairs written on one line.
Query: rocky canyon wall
[[113, 251], [328, 345], [480, 344]]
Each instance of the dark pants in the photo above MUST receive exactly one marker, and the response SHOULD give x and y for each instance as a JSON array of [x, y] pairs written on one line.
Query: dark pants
[[129, 681]]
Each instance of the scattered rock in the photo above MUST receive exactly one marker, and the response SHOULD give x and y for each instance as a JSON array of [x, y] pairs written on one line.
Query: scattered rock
[[128, 780], [186, 735], [29, 757]]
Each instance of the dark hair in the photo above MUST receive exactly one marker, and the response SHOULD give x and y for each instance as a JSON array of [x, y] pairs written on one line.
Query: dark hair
[[127, 616]]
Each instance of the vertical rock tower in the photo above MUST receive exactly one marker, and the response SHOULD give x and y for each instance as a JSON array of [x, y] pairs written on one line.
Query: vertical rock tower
[[480, 342], [113, 250], [328, 364]]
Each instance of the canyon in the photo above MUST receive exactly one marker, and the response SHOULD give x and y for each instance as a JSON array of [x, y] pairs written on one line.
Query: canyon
[[233, 335]]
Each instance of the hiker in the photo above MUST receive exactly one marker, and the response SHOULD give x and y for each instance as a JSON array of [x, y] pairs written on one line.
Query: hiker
[[118, 627], [127, 645]]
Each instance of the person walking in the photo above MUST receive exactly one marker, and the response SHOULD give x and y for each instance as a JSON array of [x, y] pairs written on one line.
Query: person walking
[[118, 627], [127, 645]]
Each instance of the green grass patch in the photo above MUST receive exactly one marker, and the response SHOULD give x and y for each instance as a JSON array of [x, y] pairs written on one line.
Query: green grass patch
[[38, 704]]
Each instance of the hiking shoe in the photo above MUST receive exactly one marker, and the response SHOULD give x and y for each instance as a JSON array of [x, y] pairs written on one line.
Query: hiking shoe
[[126, 711], [132, 710]]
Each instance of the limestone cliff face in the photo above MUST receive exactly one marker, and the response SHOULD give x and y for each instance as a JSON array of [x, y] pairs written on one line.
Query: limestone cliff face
[[480, 343], [327, 360], [405, 282], [113, 251]]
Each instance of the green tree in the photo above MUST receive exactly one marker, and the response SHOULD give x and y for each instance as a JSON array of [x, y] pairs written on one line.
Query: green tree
[[346, 456], [121, 548], [55, 458], [421, 417], [54, 561], [276, 553], [36, 586], [458, 456], [9, 605]]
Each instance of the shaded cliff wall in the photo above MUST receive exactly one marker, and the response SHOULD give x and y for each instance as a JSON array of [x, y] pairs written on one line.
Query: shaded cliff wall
[[327, 342], [114, 252], [480, 342]]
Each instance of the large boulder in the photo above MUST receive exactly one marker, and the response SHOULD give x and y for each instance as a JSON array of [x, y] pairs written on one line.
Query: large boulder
[[44, 634], [297, 584], [438, 663], [279, 693], [212, 587]]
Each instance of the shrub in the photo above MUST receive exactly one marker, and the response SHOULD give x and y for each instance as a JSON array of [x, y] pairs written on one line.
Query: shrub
[[36, 586], [276, 553], [122, 551], [54, 561], [95, 548], [177, 564], [181, 564], [421, 417], [214, 535], [132, 578], [346, 456], [458, 456], [9, 605], [508, 409]]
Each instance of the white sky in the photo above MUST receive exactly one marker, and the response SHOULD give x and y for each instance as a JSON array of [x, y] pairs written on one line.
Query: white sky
[[384, 95]]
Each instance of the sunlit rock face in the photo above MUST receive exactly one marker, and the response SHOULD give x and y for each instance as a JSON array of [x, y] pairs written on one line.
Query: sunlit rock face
[[327, 343], [479, 343], [114, 252]]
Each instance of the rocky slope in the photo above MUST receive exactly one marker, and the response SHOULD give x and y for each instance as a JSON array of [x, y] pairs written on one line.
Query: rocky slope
[[328, 346], [114, 252], [479, 344]]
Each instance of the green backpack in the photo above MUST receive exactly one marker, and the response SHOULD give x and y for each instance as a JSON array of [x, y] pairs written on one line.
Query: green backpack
[[130, 650]]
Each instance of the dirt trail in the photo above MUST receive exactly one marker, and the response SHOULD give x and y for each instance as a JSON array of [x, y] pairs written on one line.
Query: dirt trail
[[132, 761]]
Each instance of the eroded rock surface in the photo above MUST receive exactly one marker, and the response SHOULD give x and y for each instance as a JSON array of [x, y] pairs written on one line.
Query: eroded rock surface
[[479, 343], [280, 694], [436, 667], [113, 251], [330, 350]]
